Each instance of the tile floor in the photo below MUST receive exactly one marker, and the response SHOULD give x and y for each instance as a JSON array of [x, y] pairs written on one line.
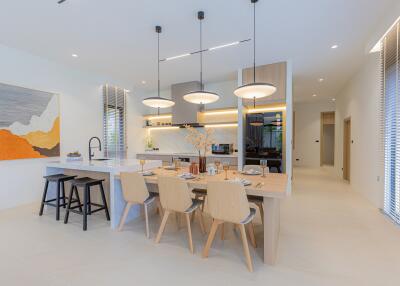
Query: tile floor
[[330, 235]]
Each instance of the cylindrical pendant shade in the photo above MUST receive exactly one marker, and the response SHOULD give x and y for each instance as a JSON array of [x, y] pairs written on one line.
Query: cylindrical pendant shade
[[158, 102], [201, 97], [255, 90]]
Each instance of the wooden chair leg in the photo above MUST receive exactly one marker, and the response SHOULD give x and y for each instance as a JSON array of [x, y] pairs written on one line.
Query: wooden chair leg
[[189, 229], [222, 231], [211, 236], [159, 207], [261, 208], [146, 216], [251, 234], [124, 216], [201, 220], [246, 248], [162, 226]]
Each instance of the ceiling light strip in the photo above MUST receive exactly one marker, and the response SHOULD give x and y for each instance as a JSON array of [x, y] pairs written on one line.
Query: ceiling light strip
[[205, 50]]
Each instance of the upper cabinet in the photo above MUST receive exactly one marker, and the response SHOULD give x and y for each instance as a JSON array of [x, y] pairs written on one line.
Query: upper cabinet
[[274, 74]]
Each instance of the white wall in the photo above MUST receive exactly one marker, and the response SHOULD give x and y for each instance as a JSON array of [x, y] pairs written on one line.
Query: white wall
[[360, 100], [308, 130], [81, 117]]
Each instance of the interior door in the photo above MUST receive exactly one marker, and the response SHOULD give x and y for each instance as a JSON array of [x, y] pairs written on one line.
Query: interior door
[[346, 149]]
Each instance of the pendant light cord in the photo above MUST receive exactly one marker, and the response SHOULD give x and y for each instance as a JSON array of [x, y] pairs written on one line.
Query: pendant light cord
[[158, 68], [254, 42], [201, 56]]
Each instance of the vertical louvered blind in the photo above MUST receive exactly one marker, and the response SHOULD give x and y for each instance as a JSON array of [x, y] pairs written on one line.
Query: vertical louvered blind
[[114, 121], [391, 122]]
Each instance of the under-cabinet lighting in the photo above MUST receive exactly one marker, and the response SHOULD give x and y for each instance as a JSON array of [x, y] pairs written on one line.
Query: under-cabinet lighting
[[159, 117], [221, 112], [163, 128], [220, 125], [266, 109]]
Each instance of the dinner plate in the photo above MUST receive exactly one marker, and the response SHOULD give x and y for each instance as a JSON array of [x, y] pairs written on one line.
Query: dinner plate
[[251, 173], [169, 168], [148, 173]]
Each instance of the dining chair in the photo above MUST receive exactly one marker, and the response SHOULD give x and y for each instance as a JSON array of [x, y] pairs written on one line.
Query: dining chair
[[258, 201], [227, 202], [135, 192], [175, 196]]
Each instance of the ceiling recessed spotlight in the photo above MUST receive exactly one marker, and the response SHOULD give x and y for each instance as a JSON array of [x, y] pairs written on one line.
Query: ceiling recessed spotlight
[[321, 79], [333, 99], [143, 82], [334, 47], [127, 90], [74, 55], [314, 95]]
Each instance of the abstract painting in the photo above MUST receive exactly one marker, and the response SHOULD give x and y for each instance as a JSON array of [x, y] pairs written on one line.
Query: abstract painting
[[29, 123]]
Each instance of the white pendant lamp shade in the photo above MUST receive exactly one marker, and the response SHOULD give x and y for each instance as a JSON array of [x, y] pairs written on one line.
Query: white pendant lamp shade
[[201, 97], [255, 90], [158, 102]]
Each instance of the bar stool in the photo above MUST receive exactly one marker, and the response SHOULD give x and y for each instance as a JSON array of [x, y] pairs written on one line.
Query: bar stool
[[60, 179], [86, 183]]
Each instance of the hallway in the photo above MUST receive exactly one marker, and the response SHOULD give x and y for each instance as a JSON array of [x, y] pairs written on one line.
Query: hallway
[[334, 234], [330, 235]]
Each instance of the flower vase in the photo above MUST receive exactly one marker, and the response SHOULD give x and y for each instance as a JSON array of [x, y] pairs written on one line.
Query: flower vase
[[202, 164]]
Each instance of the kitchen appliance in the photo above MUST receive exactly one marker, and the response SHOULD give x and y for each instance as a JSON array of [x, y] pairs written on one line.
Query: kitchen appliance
[[222, 149]]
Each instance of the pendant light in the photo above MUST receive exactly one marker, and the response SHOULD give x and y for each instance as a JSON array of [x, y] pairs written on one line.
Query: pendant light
[[158, 101], [255, 89], [201, 96], [258, 120]]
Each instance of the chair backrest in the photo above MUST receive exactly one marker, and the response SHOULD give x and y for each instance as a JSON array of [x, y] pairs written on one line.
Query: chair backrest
[[255, 168], [174, 193], [134, 187], [227, 201]]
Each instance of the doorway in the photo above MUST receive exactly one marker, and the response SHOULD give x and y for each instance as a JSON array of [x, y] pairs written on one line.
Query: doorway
[[346, 148], [327, 152]]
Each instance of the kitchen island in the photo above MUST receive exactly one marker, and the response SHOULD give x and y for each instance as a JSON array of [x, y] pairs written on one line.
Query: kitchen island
[[108, 170]]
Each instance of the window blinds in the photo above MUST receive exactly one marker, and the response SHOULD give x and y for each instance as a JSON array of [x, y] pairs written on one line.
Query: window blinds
[[114, 122], [391, 119]]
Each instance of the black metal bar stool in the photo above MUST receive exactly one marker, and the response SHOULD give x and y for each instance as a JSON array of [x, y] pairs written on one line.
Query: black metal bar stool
[[86, 183], [60, 179]]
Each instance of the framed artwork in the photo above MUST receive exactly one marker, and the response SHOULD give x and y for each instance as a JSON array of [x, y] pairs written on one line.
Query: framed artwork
[[29, 123]]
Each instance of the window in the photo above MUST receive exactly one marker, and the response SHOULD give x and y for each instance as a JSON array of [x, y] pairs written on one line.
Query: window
[[114, 127], [391, 118]]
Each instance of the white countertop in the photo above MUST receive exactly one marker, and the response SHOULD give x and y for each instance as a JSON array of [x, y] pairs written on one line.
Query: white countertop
[[114, 166], [234, 155]]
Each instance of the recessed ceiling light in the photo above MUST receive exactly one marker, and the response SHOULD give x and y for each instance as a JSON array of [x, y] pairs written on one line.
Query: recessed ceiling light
[[334, 47], [127, 90], [314, 95], [74, 55], [321, 79], [333, 99], [143, 82]]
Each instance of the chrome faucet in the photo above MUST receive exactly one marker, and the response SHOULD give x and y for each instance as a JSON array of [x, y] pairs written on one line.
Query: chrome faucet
[[91, 155]]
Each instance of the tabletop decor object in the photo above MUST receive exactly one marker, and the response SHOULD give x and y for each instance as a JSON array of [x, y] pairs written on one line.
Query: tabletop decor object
[[201, 142]]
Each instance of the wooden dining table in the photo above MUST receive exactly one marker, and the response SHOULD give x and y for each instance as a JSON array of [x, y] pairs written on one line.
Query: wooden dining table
[[272, 188]]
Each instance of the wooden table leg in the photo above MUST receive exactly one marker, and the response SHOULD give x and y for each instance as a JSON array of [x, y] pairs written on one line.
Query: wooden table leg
[[271, 229]]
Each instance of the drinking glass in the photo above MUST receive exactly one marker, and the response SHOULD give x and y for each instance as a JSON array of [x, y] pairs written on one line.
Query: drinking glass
[[263, 164], [177, 164], [217, 163], [225, 166], [142, 162]]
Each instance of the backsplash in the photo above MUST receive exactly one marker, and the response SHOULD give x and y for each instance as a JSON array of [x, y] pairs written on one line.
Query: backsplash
[[173, 140]]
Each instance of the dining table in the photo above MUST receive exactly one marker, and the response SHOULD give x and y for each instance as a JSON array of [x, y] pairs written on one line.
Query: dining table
[[272, 188]]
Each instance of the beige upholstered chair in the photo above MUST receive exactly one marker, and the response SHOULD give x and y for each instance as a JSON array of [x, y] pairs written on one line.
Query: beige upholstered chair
[[135, 191], [175, 196], [258, 201], [227, 202]]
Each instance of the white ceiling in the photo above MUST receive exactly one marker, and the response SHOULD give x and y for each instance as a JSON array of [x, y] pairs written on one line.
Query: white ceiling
[[117, 37]]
